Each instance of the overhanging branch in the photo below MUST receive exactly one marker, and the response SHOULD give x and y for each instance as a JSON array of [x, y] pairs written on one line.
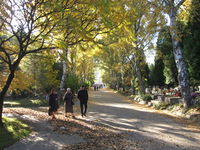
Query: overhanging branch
[[179, 4]]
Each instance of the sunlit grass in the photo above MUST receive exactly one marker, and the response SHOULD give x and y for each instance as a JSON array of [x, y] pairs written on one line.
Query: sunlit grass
[[26, 103], [38, 101], [11, 103], [12, 131]]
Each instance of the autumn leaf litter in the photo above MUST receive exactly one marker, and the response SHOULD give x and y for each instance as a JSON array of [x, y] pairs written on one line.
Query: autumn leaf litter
[[96, 135]]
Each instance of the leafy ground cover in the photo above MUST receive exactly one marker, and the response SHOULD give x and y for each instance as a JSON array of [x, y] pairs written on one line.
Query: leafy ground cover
[[12, 131], [96, 135]]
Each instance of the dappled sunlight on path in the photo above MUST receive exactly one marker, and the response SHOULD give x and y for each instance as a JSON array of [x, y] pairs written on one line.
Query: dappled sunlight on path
[[141, 123], [111, 119]]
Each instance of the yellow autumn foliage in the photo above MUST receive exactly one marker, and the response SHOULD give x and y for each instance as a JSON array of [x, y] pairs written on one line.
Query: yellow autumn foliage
[[21, 81]]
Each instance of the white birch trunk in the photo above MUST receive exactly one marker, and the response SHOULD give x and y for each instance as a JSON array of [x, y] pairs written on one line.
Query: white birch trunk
[[132, 81], [62, 82], [122, 77], [180, 64]]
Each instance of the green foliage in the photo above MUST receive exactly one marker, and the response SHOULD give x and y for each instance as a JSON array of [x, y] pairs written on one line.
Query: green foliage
[[196, 102], [86, 84], [191, 43], [164, 71], [157, 73], [146, 73], [143, 97], [27, 102], [162, 105], [125, 93], [43, 71], [132, 96], [12, 131], [72, 82], [146, 97], [164, 51]]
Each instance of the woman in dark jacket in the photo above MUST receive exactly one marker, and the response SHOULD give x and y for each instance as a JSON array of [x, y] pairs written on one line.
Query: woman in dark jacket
[[53, 103], [68, 103]]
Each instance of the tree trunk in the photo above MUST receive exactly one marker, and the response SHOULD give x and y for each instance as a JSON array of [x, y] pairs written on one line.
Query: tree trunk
[[140, 80], [139, 77], [122, 78], [180, 64], [63, 79], [62, 82], [132, 87], [3, 93], [132, 81]]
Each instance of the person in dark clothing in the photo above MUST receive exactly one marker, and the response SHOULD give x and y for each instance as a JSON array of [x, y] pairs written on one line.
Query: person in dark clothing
[[83, 97], [68, 103], [53, 103]]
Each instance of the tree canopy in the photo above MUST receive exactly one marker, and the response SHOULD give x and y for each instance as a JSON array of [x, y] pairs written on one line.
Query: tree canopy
[[59, 43]]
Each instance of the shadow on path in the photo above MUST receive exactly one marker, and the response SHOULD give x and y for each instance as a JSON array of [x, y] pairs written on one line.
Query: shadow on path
[[112, 123], [141, 124]]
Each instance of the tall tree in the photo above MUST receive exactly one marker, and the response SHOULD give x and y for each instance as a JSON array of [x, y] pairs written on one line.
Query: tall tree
[[172, 9], [143, 26], [157, 73], [178, 53], [41, 69], [164, 51], [191, 42], [81, 23], [25, 31]]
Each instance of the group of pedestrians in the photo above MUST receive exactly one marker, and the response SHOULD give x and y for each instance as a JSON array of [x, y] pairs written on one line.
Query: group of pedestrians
[[68, 102]]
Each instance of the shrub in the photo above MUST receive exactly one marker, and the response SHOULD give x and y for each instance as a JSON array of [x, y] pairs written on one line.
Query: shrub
[[146, 97], [137, 98], [196, 102], [162, 105], [132, 96]]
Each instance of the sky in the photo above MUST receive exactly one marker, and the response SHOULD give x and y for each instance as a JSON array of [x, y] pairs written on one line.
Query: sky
[[98, 76], [150, 55]]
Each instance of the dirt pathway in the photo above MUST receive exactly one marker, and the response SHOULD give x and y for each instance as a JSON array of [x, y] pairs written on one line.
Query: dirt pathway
[[111, 123], [43, 137], [150, 130]]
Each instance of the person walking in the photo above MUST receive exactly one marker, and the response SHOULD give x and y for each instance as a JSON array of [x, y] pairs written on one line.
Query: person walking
[[53, 103], [68, 103], [83, 97]]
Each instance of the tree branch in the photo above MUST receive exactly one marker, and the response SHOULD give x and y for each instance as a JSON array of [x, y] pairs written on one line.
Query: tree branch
[[179, 4], [39, 49]]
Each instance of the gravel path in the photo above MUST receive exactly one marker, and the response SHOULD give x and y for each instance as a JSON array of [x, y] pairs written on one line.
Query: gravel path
[[43, 137], [142, 126], [150, 130]]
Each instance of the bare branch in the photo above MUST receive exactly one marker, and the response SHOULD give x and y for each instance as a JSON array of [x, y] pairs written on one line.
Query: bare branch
[[4, 60], [39, 50], [8, 61]]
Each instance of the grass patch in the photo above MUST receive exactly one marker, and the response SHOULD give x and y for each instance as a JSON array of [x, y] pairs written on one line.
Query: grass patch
[[26, 103], [12, 131]]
